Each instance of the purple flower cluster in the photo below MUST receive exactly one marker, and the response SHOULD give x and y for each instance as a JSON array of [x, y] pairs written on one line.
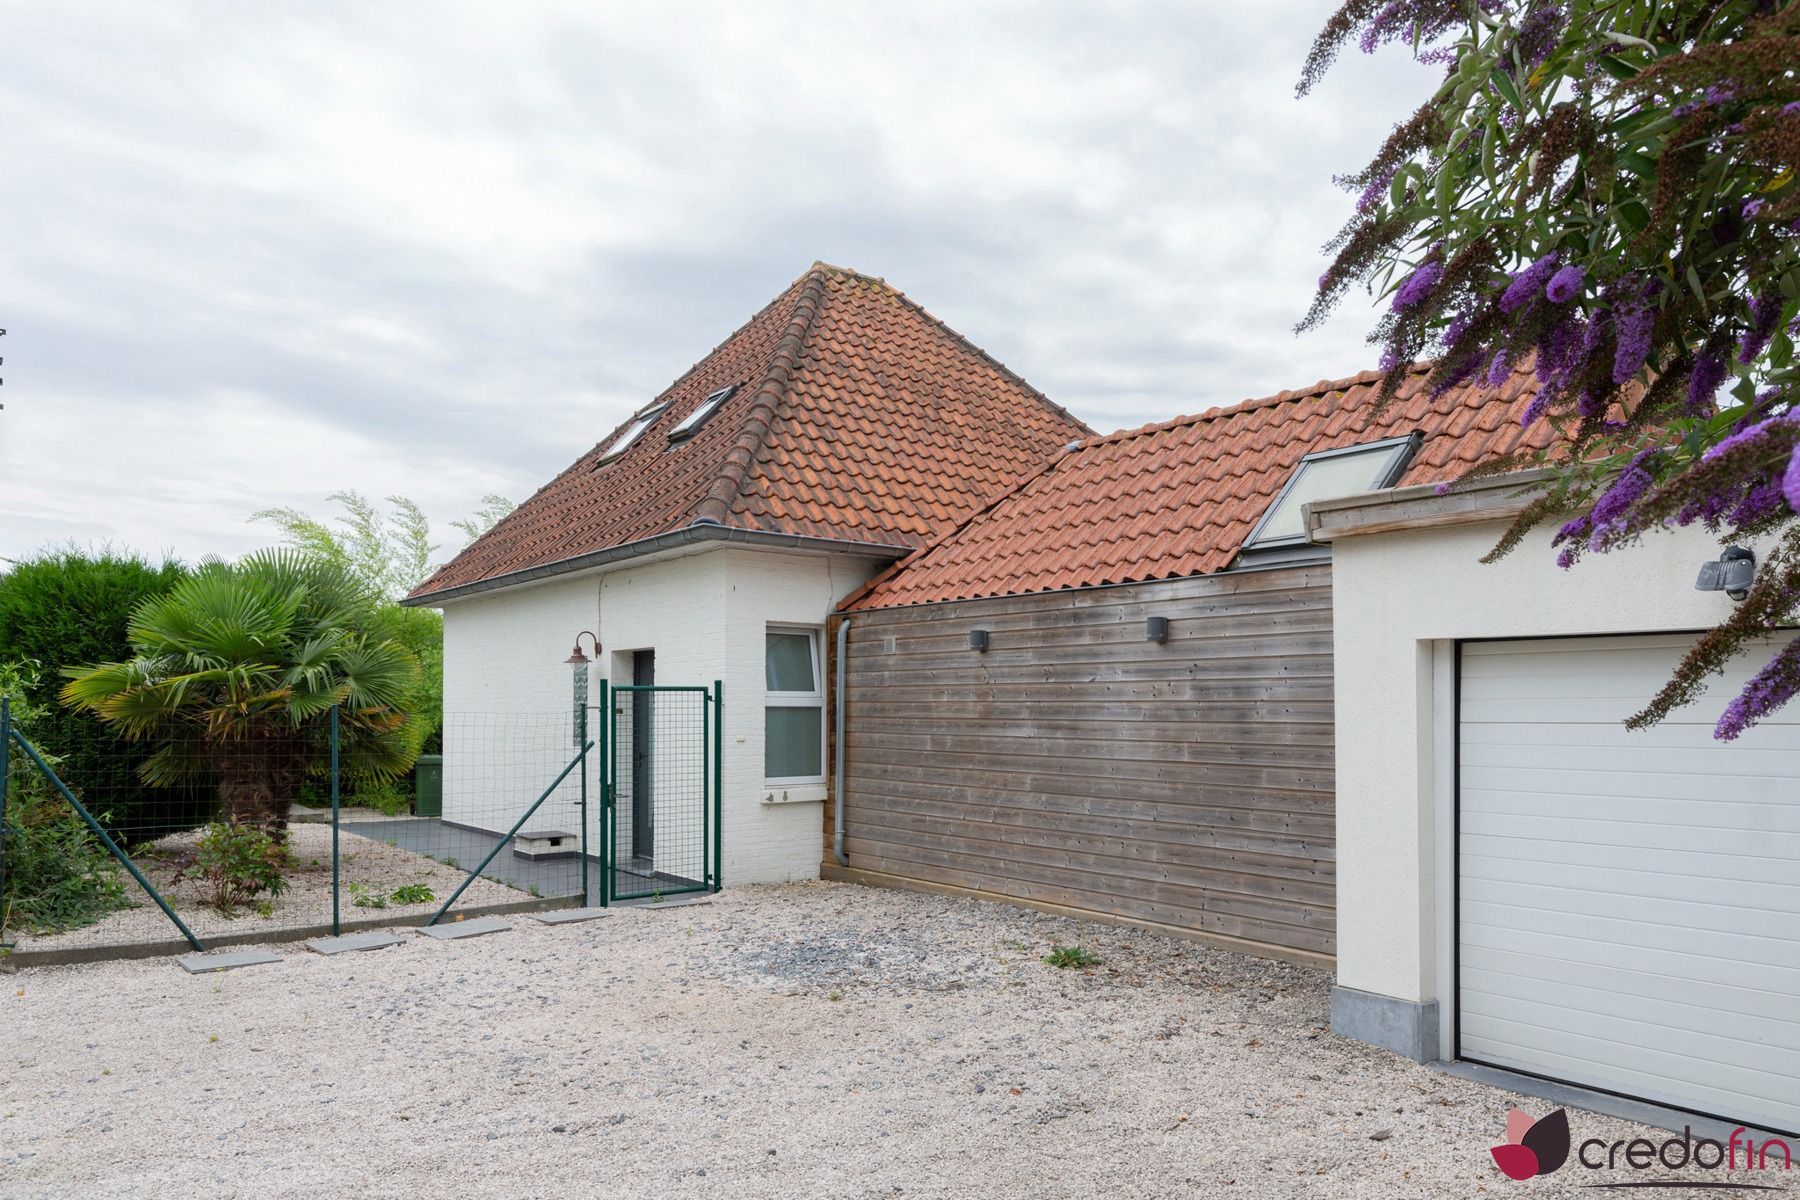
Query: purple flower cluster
[[1765, 311], [1634, 324], [1528, 284], [1499, 369], [1565, 285], [1704, 383], [1790, 481], [1606, 518], [1418, 285], [1537, 33], [1773, 686], [1371, 195]]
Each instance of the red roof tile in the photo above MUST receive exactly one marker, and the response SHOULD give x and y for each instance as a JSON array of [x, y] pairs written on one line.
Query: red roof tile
[[858, 416], [1179, 498]]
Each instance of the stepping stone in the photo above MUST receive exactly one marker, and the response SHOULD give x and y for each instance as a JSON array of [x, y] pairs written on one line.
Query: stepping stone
[[568, 916], [670, 902], [226, 960], [374, 939], [449, 931]]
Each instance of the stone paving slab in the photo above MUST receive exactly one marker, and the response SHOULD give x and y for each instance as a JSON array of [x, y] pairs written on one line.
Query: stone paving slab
[[568, 916], [229, 960], [452, 930], [374, 939]]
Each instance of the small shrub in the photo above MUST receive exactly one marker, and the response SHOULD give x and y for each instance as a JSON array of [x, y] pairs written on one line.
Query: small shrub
[[58, 874], [239, 863], [1065, 957], [385, 798], [413, 893], [362, 897]]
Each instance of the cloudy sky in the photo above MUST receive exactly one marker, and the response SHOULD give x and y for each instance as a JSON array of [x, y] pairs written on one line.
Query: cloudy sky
[[255, 253]]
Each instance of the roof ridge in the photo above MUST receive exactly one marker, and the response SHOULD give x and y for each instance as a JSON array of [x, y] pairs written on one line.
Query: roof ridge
[[715, 507], [1218, 411], [957, 336]]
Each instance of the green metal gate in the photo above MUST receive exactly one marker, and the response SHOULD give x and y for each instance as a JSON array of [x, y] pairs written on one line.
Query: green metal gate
[[660, 792]]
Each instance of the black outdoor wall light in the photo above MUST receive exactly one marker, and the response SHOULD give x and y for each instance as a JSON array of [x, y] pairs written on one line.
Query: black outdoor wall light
[[1732, 574], [1156, 629], [978, 640]]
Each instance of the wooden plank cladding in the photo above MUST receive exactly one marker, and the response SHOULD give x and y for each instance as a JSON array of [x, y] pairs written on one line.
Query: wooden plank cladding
[[1078, 766]]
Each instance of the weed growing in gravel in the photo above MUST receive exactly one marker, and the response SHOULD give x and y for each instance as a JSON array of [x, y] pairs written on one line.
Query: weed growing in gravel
[[413, 893], [362, 897], [834, 994], [1064, 957]]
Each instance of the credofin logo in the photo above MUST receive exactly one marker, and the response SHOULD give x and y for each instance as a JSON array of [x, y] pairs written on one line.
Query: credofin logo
[[1533, 1147]]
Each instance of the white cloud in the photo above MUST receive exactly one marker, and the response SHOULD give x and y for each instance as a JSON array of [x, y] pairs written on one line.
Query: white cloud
[[255, 255]]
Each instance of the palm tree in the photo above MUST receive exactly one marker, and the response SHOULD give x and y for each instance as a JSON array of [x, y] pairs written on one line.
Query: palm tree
[[235, 673]]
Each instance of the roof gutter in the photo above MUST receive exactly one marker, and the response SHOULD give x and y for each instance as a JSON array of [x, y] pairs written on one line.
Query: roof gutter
[[837, 765], [674, 539]]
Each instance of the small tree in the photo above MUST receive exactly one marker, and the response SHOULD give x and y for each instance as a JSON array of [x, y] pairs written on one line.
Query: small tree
[[235, 674], [1610, 189]]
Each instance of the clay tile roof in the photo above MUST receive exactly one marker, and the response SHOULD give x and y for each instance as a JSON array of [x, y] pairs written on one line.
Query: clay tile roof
[[1179, 498], [858, 416]]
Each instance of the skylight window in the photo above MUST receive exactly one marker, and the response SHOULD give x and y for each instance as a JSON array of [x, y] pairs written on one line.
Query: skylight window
[[632, 433], [1327, 475], [701, 414]]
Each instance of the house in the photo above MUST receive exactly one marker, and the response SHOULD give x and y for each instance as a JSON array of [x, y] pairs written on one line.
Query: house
[[1524, 886], [1110, 692], [707, 539]]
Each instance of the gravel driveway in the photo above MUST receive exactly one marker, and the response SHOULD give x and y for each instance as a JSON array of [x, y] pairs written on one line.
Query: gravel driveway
[[814, 1040]]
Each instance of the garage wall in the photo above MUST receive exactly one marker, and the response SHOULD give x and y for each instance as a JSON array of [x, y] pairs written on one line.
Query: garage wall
[[1076, 764], [1403, 597]]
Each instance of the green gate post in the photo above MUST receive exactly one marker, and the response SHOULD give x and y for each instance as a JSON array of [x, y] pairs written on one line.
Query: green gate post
[[337, 924], [718, 766], [605, 743], [5, 740]]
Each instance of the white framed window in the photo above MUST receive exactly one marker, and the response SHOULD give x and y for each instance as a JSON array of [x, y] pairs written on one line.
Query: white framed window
[[702, 413], [631, 433], [1328, 474], [793, 707]]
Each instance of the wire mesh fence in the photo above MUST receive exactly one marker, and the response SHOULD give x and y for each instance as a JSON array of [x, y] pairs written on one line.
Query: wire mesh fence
[[126, 845]]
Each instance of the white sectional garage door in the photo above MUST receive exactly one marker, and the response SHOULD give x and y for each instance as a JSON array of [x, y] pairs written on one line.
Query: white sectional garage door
[[1628, 903]]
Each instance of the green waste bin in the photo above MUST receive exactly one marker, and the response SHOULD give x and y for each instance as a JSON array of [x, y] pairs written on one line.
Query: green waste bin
[[428, 786]]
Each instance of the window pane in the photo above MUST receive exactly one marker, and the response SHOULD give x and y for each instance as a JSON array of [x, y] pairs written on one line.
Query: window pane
[[1325, 479], [790, 663], [793, 745]]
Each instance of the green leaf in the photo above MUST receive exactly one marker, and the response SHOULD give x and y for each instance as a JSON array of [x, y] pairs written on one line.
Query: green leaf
[[1633, 215], [1617, 67], [1505, 87]]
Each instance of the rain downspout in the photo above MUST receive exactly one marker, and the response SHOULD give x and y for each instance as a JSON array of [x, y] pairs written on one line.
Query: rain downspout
[[837, 763]]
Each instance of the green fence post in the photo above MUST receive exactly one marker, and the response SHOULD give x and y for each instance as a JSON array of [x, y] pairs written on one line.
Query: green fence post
[[105, 838], [718, 766], [337, 924], [5, 741], [604, 711]]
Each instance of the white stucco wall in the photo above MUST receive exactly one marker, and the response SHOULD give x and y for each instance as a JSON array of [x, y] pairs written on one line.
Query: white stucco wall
[[705, 615], [1400, 600]]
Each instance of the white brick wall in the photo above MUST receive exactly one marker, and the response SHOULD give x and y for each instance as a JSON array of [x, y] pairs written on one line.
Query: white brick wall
[[506, 690]]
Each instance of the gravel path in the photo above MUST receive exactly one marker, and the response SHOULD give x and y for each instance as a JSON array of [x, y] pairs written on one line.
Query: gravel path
[[808, 1040]]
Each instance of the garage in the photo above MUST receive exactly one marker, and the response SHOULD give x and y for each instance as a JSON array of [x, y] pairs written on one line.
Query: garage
[[1627, 908]]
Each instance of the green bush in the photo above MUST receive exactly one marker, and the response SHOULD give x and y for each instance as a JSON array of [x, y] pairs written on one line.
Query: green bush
[[58, 874], [66, 608], [238, 863]]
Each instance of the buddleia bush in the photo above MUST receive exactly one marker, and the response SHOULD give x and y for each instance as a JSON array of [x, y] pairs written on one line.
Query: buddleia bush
[[1606, 189]]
